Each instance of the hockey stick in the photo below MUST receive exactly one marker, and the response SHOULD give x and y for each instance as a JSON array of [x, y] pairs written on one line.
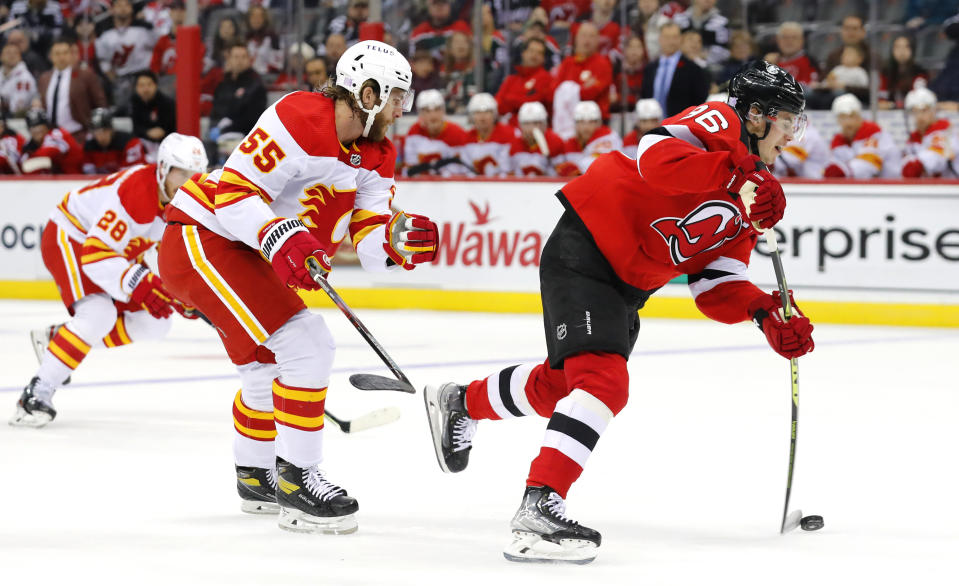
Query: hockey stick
[[402, 383], [790, 520]]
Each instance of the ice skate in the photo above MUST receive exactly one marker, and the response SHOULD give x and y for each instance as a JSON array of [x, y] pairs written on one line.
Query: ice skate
[[309, 503], [451, 426], [542, 533], [41, 339], [33, 408], [257, 488]]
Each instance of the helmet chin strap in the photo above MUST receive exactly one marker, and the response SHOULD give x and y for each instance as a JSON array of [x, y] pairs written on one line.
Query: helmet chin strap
[[371, 116], [754, 139]]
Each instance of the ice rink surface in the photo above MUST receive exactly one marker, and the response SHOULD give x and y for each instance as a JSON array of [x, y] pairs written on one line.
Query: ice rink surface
[[134, 483]]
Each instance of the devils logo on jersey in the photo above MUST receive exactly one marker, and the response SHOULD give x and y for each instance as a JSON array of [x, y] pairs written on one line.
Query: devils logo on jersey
[[705, 228]]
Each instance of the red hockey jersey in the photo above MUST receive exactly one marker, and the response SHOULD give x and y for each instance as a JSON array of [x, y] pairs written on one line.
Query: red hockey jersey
[[668, 213]]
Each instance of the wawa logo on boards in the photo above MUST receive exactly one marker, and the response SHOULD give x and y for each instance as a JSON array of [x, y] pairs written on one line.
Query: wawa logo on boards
[[477, 244]]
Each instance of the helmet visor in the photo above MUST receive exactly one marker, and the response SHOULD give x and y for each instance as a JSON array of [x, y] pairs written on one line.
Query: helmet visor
[[402, 99], [793, 125]]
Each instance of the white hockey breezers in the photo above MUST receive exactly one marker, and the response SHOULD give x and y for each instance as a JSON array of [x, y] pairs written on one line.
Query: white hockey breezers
[[532, 548]]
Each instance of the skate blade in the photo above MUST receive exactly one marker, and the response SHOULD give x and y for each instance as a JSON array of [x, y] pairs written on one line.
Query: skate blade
[[300, 522], [259, 507], [430, 399], [531, 548], [23, 419]]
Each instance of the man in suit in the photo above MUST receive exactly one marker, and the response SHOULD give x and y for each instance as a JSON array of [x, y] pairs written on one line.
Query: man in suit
[[68, 94], [673, 80]]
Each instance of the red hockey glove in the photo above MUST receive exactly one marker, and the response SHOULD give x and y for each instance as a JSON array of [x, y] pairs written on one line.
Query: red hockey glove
[[287, 244], [187, 311], [913, 168], [770, 202], [146, 290], [790, 339], [833, 171], [410, 240]]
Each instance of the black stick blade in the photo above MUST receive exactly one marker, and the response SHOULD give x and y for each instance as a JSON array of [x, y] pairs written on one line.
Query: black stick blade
[[375, 382]]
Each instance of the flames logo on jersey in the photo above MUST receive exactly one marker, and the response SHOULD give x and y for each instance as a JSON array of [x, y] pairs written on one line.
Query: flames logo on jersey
[[315, 199], [480, 165], [136, 247], [705, 228]]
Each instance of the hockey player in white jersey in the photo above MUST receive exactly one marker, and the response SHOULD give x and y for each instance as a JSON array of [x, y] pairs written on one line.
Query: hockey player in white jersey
[[861, 149], [486, 150], [592, 138], [316, 166], [96, 246], [434, 145], [538, 151], [931, 148]]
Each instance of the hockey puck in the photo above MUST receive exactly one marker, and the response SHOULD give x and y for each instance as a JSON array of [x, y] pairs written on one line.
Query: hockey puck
[[812, 523]]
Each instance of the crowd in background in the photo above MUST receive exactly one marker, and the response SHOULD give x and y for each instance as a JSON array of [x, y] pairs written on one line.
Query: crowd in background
[[70, 68]]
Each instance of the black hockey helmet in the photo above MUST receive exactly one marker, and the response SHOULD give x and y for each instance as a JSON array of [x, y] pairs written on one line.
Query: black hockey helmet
[[771, 90], [101, 118], [36, 117]]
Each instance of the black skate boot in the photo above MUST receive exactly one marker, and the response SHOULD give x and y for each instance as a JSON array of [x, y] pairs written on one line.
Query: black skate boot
[[309, 503], [451, 426], [33, 410], [542, 533], [257, 488], [41, 339]]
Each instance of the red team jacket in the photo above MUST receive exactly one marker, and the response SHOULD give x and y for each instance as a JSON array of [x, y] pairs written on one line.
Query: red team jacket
[[528, 84], [594, 76], [667, 212]]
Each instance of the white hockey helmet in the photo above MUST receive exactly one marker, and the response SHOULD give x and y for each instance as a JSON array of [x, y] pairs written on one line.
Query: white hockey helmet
[[587, 110], [846, 104], [532, 112], [182, 151], [920, 97], [482, 102], [649, 109], [381, 63], [430, 99]]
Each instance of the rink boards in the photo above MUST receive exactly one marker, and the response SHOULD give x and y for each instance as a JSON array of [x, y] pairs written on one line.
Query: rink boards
[[858, 252]]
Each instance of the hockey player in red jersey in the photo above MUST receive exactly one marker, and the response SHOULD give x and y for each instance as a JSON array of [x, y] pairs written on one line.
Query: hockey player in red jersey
[[97, 245], [486, 150], [630, 226], [931, 149], [314, 167], [50, 150]]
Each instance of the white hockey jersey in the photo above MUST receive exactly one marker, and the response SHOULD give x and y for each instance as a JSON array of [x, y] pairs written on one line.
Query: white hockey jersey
[[292, 165], [435, 155], [532, 160], [935, 150], [489, 157], [871, 153], [803, 158], [604, 140], [126, 50], [17, 87], [116, 220]]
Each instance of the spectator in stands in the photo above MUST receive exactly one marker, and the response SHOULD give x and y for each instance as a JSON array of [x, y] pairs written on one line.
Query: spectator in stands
[[703, 16], [316, 73], [109, 150], [691, 46], [946, 84], [157, 13], [530, 83], [852, 32], [649, 115], [163, 60], [426, 75], [588, 68], [227, 35], [348, 24], [50, 149], [124, 47], [433, 145], [647, 19], [153, 113], [333, 48], [920, 13], [792, 56], [536, 29], [742, 50], [632, 68], [42, 20], [17, 85], [262, 41], [849, 76], [564, 13], [861, 149], [239, 99], [11, 145], [37, 63], [538, 150], [673, 80], [899, 74], [439, 25], [495, 52], [512, 15], [86, 45], [69, 94], [459, 83], [295, 74], [487, 146], [592, 139], [604, 19], [932, 146]]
